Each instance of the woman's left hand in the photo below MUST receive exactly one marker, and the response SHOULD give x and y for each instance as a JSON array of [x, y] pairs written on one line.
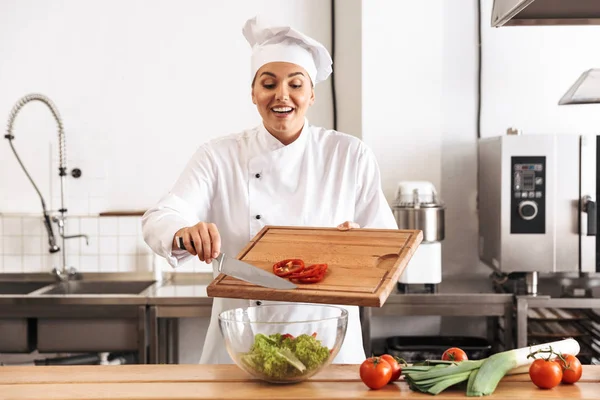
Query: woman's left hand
[[348, 225]]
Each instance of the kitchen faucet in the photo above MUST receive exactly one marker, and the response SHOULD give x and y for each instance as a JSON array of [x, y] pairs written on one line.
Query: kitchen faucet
[[63, 273]]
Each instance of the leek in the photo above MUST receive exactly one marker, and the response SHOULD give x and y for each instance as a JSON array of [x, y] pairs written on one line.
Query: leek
[[482, 376], [495, 367], [446, 383], [472, 377]]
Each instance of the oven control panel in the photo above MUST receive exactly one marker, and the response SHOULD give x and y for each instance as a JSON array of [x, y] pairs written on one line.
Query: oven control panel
[[528, 195]]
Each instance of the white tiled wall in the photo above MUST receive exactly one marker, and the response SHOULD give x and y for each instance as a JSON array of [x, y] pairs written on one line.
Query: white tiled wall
[[115, 245]]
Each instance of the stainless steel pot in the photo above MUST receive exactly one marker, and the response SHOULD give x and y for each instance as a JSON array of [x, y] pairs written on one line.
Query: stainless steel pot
[[418, 206], [428, 218]]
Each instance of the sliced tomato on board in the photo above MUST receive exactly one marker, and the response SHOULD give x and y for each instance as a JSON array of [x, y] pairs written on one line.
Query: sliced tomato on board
[[309, 279], [295, 270], [288, 267], [310, 271]]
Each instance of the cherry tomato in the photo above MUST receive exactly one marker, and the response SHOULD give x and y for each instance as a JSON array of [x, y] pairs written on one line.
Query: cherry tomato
[[396, 368], [286, 336], [287, 267], [454, 354], [545, 374], [375, 372], [571, 369]]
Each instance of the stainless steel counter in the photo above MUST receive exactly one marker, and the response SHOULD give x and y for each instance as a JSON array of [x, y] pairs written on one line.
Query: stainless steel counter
[[46, 293], [184, 295], [188, 289], [93, 313]]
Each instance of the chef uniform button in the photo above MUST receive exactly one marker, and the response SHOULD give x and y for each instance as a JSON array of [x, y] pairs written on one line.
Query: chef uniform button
[[257, 175], [257, 216], [258, 302]]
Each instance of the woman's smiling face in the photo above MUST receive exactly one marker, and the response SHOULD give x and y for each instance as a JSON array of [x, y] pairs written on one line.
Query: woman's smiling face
[[282, 93]]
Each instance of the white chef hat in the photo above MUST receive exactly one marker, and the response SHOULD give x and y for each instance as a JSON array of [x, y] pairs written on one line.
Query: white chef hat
[[285, 44]]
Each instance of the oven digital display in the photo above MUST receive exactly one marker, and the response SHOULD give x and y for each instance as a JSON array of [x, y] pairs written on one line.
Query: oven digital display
[[528, 180]]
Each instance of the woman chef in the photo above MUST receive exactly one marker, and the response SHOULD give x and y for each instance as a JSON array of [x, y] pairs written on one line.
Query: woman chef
[[283, 172]]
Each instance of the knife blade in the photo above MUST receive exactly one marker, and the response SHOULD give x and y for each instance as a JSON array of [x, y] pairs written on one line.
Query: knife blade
[[246, 272]]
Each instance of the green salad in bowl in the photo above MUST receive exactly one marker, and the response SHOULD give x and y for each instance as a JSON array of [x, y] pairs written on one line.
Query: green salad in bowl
[[280, 356], [254, 340]]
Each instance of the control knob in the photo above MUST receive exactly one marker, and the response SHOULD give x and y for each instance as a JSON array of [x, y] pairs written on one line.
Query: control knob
[[528, 210]]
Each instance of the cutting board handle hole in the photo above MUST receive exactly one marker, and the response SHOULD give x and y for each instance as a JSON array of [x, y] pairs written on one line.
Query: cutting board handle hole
[[384, 261]]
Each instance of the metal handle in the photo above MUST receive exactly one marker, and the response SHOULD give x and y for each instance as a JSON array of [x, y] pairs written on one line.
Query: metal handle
[[589, 207]]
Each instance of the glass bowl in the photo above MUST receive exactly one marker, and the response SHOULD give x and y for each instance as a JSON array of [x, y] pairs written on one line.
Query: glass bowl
[[283, 343]]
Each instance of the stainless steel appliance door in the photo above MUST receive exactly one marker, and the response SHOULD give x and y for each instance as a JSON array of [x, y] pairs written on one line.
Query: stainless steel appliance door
[[566, 203], [553, 247]]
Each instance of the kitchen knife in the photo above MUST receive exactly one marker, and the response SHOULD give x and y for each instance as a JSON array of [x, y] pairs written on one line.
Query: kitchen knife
[[246, 272]]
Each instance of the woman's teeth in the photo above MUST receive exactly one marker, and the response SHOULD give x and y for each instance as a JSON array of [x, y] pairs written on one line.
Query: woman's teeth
[[282, 109]]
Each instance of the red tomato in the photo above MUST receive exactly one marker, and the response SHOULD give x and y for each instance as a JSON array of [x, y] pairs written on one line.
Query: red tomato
[[396, 368], [571, 369], [309, 279], [286, 336], [545, 374], [310, 271], [287, 267], [454, 354], [375, 372]]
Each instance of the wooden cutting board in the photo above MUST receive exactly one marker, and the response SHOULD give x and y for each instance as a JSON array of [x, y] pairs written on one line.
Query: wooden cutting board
[[364, 265]]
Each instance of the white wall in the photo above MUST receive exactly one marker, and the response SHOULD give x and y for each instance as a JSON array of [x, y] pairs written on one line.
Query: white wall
[[459, 137], [401, 85], [140, 85], [347, 66]]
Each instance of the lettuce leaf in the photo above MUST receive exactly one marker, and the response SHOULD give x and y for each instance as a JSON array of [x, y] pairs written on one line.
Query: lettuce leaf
[[277, 357]]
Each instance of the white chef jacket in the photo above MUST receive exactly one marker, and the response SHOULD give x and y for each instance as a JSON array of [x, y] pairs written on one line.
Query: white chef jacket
[[245, 181]]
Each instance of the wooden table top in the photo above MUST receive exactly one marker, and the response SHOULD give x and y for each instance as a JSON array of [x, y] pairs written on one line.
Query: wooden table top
[[145, 382]]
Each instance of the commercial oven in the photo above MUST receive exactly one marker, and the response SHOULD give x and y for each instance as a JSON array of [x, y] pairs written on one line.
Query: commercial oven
[[537, 203]]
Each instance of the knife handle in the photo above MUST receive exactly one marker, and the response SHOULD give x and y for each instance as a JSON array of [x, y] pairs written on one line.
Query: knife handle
[[180, 244]]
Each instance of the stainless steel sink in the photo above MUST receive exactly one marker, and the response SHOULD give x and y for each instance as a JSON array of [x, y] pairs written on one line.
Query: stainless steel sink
[[97, 287], [16, 287]]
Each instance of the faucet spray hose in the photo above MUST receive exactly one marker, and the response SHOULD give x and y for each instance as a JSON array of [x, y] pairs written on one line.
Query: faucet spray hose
[[62, 154], [51, 238]]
